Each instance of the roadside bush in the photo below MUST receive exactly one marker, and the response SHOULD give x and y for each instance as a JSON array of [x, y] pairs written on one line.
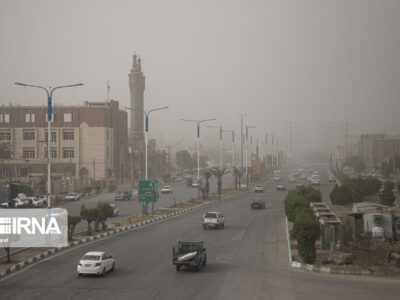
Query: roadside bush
[[72, 222], [294, 202], [306, 231], [104, 211], [89, 215], [388, 197], [311, 194]]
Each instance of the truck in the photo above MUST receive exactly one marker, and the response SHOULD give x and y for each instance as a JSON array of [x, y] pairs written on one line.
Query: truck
[[213, 219], [123, 195], [189, 254]]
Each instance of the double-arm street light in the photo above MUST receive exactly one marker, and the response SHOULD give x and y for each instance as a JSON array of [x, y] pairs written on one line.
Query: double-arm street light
[[198, 122], [247, 150], [146, 114], [49, 92], [220, 143]]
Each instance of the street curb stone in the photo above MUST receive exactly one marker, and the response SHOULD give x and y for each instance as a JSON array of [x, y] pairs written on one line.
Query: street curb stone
[[49, 252]]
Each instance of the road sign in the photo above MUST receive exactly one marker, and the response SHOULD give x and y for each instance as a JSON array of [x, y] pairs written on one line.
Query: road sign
[[147, 191]]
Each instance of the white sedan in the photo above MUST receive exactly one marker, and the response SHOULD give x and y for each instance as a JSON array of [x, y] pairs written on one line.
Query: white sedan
[[72, 197], [166, 189], [98, 263]]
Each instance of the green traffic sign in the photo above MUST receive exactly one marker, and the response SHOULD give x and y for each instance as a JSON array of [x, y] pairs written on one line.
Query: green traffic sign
[[148, 191]]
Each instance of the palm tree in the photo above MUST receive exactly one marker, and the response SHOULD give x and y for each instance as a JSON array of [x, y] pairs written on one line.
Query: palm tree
[[217, 172], [238, 177], [206, 189]]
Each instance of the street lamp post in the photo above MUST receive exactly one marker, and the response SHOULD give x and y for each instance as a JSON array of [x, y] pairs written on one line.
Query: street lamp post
[[220, 143], [198, 122], [247, 150], [146, 114], [233, 152], [49, 92]]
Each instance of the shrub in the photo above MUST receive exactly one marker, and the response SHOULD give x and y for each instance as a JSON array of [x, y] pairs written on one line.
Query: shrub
[[388, 197], [104, 211], [72, 222], [306, 230], [294, 202], [89, 215]]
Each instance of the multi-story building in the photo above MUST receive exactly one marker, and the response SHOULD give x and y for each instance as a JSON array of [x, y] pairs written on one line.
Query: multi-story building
[[384, 150], [88, 142]]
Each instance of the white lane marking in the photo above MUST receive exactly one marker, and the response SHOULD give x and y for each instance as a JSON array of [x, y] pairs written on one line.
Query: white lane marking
[[238, 236]]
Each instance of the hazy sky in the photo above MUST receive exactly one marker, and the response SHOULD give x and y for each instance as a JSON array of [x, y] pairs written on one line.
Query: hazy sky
[[277, 61]]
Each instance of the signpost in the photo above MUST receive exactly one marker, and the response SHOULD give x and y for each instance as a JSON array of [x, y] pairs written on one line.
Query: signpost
[[148, 193]]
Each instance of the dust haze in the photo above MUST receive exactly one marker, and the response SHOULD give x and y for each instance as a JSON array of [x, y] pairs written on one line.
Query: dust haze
[[303, 62]]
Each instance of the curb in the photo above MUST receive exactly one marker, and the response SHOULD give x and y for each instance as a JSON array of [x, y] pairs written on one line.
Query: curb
[[328, 270], [100, 236]]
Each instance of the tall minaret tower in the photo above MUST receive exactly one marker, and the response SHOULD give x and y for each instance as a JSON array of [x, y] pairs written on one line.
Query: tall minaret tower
[[136, 87]]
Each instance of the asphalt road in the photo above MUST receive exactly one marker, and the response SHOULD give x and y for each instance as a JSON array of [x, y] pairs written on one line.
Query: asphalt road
[[248, 259]]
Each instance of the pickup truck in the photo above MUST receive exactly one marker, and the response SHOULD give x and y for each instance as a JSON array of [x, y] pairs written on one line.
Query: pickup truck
[[213, 220], [123, 195], [189, 254]]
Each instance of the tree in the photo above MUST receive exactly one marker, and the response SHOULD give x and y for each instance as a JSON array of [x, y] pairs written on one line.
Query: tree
[[388, 197], [341, 195], [306, 231], [72, 222], [184, 159], [89, 215], [104, 211], [206, 188], [238, 173], [217, 172], [356, 162], [312, 194], [292, 202]]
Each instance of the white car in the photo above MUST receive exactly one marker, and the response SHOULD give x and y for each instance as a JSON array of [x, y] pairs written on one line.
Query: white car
[[37, 201], [213, 219], [195, 183], [20, 201], [98, 263], [72, 197], [277, 178], [115, 208], [280, 187], [166, 189], [259, 189]]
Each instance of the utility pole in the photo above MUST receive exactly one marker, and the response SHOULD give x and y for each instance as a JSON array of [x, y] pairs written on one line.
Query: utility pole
[[241, 140]]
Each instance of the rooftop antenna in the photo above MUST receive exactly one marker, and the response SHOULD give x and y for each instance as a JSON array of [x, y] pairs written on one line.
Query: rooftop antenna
[[108, 91]]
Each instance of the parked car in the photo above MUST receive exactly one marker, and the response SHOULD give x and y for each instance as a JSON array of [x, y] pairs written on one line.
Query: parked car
[[332, 179], [98, 263], [280, 187], [72, 197], [115, 208], [166, 189], [257, 204], [213, 220], [292, 179], [195, 183], [17, 202], [189, 254], [123, 195], [259, 189], [37, 201]]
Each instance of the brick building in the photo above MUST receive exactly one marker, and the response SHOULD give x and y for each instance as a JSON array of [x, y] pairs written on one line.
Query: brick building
[[88, 143]]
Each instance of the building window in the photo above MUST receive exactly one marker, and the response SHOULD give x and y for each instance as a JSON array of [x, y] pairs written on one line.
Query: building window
[[29, 135], [53, 153], [68, 135], [68, 117], [53, 137], [29, 118], [5, 136], [53, 117], [29, 153], [4, 118], [378, 220], [68, 153]]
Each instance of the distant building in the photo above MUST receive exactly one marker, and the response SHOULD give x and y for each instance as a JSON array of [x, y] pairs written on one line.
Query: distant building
[[88, 143]]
